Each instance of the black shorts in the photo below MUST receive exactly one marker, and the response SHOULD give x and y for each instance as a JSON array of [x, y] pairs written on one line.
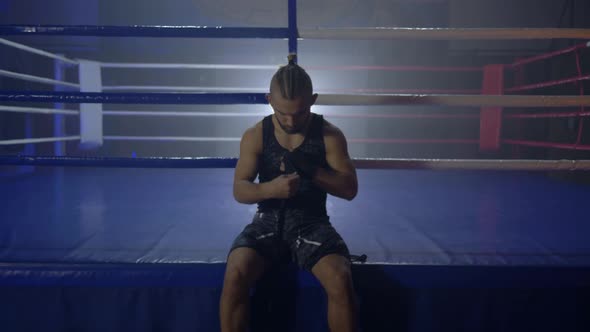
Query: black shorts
[[302, 238]]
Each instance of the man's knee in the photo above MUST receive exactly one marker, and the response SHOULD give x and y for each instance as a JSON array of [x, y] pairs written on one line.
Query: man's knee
[[335, 275], [244, 267], [340, 283]]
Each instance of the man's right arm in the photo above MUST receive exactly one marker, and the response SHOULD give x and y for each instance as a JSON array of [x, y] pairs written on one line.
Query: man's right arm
[[245, 189]]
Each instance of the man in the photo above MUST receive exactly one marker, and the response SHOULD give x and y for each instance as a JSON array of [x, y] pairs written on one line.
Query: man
[[299, 158]]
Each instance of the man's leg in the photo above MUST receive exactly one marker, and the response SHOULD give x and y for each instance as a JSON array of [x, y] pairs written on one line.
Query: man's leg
[[333, 272], [244, 267]]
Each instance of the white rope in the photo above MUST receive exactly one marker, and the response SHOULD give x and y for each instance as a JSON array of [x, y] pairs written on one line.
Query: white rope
[[454, 100], [37, 79], [181, 88], [172, 138], [474, 164], [37, 110], [261, 114], [443, 33], [230, 89], [122, 65], [184, 114], [37, 51], [139, 65], [237, 139], [39, 140]]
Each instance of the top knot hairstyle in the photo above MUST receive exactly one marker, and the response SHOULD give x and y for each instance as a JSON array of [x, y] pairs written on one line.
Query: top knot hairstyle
[[291, 80]]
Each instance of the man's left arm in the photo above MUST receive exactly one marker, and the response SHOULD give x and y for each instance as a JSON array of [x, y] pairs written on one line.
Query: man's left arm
[[340, 180]]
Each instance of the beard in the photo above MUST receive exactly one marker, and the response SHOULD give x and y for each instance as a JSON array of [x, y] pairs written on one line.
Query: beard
[[289, 130], [295, 129]]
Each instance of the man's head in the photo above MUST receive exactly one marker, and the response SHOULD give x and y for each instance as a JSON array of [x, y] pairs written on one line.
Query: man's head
[[291, 96]]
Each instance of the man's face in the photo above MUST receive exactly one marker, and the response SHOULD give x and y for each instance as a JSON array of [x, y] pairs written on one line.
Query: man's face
[[292, 115]]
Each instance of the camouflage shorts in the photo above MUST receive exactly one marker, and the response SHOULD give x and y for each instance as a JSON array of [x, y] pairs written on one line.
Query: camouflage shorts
[[300, 238]]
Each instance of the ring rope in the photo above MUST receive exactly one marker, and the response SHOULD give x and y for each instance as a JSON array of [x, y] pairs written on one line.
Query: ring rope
[[521, 62], [159, 31], [37, 51], [237, 139], [323, 99], [171, 138], [121, 65], [183, 88], [39, 140], [545, 115], [131, 65], [185, 114], [567, 146], [455, 100], [132, 88], [37, 110], [362, 163], [475, 164], [37, 79], [261, 114], [282, 33], [443, 33]]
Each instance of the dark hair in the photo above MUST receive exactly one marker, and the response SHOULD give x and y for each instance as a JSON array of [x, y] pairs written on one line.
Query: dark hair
[[292, 80]]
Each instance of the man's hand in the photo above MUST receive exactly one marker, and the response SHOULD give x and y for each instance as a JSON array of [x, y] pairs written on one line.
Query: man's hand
[[285, 186], [302, 163]]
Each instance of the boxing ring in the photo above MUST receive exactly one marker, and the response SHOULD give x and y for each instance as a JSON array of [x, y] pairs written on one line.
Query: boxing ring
[[139, 244]]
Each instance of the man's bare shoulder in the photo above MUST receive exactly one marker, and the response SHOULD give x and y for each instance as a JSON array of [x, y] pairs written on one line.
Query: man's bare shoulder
[[331, 131], [253, 137], [253, 131]]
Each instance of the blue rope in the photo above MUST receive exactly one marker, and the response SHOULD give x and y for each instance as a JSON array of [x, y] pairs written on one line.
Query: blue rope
[[145, 31], [133, 98], [155, 162]]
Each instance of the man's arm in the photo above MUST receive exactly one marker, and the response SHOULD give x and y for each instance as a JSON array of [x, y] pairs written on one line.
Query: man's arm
[[245, 190], [340, 180]]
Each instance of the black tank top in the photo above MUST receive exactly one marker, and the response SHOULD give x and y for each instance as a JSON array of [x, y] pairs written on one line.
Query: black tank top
[[309, 198]]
